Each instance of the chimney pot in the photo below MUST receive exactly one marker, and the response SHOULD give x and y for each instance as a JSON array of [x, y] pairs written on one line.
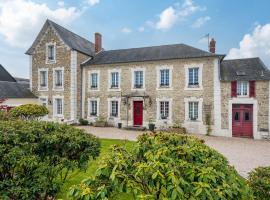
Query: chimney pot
[[212, 46], [98, 42]]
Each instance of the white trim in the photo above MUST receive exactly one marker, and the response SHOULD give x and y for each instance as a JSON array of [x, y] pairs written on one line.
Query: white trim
[[158, 118], [109, 108], [217, 98], [200, 77], [63, 79], [83, 91], [51, 61], [193, 99], [73, 85], [30, 72], [158, 68], [133, 70], [57, 116], [256, 134], [47, 71], [88, 109], [43, 97], [110, 80], [89, 80]]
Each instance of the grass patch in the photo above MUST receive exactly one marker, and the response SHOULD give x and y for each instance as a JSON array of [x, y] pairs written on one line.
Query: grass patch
[[77, 176]]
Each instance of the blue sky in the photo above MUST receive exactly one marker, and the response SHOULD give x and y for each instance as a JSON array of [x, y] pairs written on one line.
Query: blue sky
[[241, 28]]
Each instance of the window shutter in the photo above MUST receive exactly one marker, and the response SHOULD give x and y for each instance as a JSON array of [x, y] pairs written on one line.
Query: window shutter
[[251, 88], [233, 89]]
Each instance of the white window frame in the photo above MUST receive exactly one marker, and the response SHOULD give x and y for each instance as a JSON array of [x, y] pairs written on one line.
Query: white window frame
[[241, 85], [90, 80], [39, 87], [194, 65], [57, 88], [158, 100], [133, 70], [47, 49], [110, 80], [55, 115], [109, 107], [90, 109], [41, 98], [158, 75], [193, 110], [200, 103]]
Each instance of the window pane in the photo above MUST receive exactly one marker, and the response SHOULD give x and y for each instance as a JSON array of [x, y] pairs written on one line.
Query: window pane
[[242, 88], [58, 78], [164, 109], [114, 108], [115, 81], [93, 108], [94, 80], [51, 52], [164, 77], [193, 76], [138, 79], [59, 107], [193, 110], [247, 116], [43, 78], [236, 116]]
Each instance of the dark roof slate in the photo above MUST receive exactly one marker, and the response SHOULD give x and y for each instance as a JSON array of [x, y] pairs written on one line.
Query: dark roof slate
[[244, 70], [164, 52], [5, 76], [71, 39], [14, 90]]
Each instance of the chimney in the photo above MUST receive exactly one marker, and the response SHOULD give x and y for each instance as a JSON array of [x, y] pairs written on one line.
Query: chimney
[[98, 42], [212, 46]]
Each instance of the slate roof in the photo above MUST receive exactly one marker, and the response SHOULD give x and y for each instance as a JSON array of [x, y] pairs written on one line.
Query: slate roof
[[71, 39], [164, 52], [244, 70], [5, 76]]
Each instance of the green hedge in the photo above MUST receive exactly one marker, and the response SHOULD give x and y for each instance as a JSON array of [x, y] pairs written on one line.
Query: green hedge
[[36, 157], [165, 166], [29, 111]]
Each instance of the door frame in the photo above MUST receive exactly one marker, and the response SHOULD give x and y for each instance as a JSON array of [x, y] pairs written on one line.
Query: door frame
[[137, 100], [256, 134]]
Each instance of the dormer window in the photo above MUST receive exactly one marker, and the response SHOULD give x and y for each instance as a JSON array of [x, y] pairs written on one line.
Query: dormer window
[[50, 54]]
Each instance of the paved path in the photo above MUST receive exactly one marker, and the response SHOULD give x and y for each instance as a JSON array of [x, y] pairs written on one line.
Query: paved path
[[244, 154]]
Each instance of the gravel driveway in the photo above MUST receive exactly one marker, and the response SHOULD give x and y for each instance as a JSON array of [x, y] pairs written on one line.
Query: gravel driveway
[[244, 154]]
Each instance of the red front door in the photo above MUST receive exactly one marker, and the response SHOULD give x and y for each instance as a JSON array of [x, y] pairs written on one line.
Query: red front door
[[242, 120], [138, 113]]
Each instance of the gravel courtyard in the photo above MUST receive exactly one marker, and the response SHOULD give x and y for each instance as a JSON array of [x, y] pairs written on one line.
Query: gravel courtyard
[[244, 154]]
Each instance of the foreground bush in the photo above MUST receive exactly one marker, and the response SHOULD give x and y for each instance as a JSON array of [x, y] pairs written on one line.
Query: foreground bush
[[5, 116], [36, 157], [259, 181], [165, 166], [29, 111]]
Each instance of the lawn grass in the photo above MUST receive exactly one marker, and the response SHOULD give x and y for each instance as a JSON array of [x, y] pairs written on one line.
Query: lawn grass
[[77, 176]]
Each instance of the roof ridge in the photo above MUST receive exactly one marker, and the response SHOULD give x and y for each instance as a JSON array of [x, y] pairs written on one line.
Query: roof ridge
[[241, 59]]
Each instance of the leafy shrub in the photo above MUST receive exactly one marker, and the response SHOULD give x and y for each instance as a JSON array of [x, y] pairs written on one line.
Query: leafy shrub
[[83, 122], [259, 181], [164, 166], [36, 157], [29, 111], [4, 115]]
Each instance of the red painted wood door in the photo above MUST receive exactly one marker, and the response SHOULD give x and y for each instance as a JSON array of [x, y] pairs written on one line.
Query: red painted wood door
[[138, 113], [242, 120]]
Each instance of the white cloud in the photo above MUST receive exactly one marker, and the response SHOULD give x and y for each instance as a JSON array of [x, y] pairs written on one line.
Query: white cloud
[[141, 29], [172, 14], [60, 3], [20, 20], [256, 44], [200, 22], [126, 30], [92, 2]]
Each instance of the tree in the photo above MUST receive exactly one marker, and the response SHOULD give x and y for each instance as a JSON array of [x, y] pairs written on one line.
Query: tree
[[29, 111]]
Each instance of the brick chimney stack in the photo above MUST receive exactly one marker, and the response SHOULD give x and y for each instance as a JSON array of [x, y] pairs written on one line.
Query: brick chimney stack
[[98, 42], [212, 46]]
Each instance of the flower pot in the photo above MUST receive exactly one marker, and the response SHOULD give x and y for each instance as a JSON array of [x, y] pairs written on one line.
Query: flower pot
[[119, 125], [151, 127]]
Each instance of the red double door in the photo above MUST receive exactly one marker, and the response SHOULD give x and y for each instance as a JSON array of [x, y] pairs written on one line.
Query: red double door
[[137, 113], [242, 120]]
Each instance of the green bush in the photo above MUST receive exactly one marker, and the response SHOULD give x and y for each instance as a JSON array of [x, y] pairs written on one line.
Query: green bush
[[83, 121], [29, 111], [165, 166], [4, 115], [36, 157], [259, 181]]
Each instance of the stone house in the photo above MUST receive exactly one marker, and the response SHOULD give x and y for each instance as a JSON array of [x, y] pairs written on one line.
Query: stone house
[[164, 85]]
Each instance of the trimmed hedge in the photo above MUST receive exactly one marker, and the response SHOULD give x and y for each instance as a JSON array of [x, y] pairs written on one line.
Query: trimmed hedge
[[165, 166], [29, 111], [36, 157]]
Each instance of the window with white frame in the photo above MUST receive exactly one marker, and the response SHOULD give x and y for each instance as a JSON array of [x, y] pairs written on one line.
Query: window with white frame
[[138, 79], [58, 106], [58, 78], [164, 78], [193, 77], [164, 109], [114, 109], [193, 110], [94, 80], [50, 53], [114, 79], [43, 101], [93, 107], [43, 79], [242, 88]]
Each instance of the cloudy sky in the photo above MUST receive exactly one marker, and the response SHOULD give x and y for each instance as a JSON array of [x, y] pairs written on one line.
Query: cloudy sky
[[241, 28]]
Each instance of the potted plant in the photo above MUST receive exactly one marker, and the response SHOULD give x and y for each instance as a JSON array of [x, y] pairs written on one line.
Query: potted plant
[[151, 125]]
